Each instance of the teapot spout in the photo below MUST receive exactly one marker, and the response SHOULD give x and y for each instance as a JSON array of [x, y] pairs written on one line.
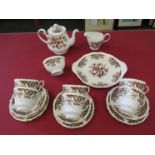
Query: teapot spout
[[72, 39]]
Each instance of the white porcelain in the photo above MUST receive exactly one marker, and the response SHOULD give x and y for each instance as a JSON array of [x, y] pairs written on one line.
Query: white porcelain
[[29, 83], [25, 98], [139, 84], [34, 113], [140, 113], [39, 104], [69, 88], [139, 117], [129, 100], [57, 39], [96, 39], [69, 123], [73, 105], [55, 65], [99, 69]]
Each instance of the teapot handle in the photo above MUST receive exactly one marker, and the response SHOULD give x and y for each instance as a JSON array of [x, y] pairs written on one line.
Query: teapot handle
[[40, 37]]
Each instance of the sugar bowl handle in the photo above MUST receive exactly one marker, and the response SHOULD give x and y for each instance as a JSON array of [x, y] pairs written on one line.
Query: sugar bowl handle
[[43, 31]]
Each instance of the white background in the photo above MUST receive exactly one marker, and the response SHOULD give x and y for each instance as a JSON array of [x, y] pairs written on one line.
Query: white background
[[76, 145]]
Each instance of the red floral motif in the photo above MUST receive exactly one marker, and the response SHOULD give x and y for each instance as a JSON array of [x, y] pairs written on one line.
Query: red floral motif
[[98, 69], [58, 42], [95, 44]]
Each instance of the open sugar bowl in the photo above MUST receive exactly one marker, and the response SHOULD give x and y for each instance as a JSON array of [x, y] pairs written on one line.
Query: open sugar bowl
[[29, 83], [55, 65], [128, 100], [73, 106], [135, 83], [25, 98]]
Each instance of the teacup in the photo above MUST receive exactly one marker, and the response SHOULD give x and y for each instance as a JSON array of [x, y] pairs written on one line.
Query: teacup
[[25, 98], [135, 83], [29, 83], [55, 65], [96, 39], [73, 105], [127, 99], [81, 89]]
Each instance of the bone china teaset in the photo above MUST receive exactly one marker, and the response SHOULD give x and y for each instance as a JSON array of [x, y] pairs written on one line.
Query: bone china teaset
[[73, 107]]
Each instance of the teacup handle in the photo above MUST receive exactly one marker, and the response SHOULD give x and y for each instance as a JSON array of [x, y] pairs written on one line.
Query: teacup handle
[[43, 31], [107, 37], [41, 85], [88, 89]]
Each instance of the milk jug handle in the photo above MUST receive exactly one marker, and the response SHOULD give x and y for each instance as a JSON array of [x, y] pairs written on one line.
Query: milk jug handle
[[107, 37]]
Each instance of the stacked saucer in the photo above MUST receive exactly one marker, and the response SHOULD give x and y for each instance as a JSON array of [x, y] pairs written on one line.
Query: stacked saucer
[[29, 100], [127, 103], [73, 107]]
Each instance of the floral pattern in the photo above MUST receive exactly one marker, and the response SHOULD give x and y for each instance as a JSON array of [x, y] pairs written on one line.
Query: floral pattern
[[116, 76], [58, 42], [30, 84], [82, 62], [114, 62], [98, 69], [82, 76], [53, 62], [138, 85], [26, 93], [75, 100], [75, 89], [95, 45], [135, 94], [97, 56], [100, 84]]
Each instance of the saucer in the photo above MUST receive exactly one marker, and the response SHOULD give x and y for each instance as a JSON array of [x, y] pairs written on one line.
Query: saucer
[[115, 113], [37, 112], [87, 115]]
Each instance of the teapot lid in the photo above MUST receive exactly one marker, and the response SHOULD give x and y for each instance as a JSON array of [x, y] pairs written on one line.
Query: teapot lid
[[56, 30]]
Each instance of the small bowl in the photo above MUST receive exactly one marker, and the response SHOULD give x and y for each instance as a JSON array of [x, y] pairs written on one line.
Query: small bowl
[[127, 99], [55, 65]]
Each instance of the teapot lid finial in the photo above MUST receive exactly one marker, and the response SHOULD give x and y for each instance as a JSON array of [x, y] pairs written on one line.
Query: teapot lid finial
[[56, 29]]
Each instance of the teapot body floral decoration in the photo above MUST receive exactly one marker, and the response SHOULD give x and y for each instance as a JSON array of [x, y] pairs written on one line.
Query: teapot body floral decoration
[[57, 39]]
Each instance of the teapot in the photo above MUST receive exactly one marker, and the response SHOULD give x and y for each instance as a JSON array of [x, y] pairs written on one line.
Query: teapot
[[57, 39]]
